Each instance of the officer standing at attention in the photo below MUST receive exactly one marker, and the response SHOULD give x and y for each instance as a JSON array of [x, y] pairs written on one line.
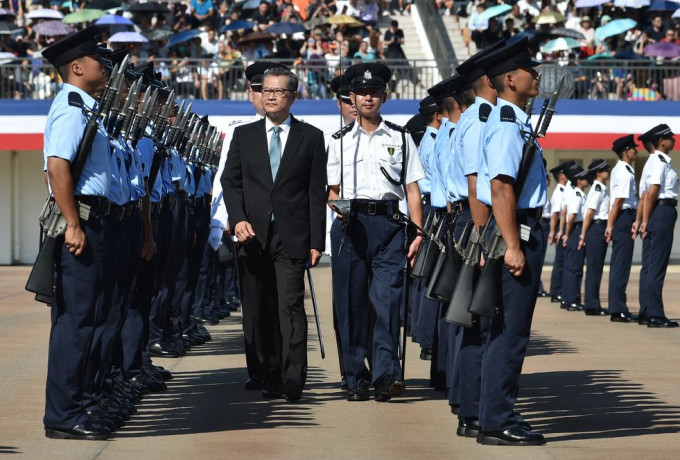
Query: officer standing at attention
[[556, 204], [658, 219], [592, 236], [574, 256], [622, 216], [82, 257], [380, 167], [512, 73]]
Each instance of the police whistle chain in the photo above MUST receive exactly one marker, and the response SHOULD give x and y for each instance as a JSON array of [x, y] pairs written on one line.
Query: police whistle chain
[[41, 279], [485, 300]]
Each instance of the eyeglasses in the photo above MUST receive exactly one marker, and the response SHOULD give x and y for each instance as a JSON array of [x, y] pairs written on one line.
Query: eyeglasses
[[277, 92]]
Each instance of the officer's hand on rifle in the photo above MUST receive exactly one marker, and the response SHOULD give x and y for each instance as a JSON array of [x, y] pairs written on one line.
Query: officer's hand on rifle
[[244, 232], [74, 239], [514, 260]]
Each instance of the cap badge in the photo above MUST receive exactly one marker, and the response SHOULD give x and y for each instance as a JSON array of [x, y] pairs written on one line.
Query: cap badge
[[368, 75]]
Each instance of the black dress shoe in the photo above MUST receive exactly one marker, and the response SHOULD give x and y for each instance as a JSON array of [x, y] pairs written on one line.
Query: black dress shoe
[[292, 390], [520, 420], [162, 352], [660, 321], [254, 383], [543, 294], [86, 431], [359, 393], [207, 320], [575, 307], [426, 354], [454, 408], [643, 320], [468, 427], [623, 317], [343, 384], [112, 422], [272, 390], [518, 436], [387, 386], [556, 298], [563, 305], [596, 312]]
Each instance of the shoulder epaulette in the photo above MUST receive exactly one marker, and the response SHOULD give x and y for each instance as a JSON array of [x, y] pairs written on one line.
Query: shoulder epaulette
[[663, 160], [484, 111], [561, 187], [236, 122], [344, 130], [395, 126], [507, 114], [630, 170], [578, 193], [451, 131], [434, 135], [598, 188]]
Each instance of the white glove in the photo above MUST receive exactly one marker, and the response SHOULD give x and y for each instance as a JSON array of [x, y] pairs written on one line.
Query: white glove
[[215, 238]]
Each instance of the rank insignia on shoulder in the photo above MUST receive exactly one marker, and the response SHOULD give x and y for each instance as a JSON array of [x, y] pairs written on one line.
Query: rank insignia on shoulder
[[434, 136], [630, 170], [663, 160], [451, 131], [484, 111], [598, 188], [507, 114], [341, 132], [578, 193], [395, 126]]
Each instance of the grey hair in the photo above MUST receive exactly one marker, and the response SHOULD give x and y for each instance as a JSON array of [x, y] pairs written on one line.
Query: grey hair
[[282, 72]]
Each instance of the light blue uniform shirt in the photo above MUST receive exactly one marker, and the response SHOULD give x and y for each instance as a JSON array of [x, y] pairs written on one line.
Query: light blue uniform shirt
[[178, 169], [146, 151], [467, 144], [63, 133], [503, 143], [119, 189], [205, 184], [442, 145], [166, 176], [426, 148]]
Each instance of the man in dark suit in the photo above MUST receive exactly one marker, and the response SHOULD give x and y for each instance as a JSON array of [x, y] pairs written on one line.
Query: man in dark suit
[[274, 185]]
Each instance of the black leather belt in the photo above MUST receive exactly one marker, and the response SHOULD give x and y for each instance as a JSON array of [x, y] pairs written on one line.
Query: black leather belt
[[545, 219], [672, 202], [536, 213], [375, 207], [599, 221], [629, 210], [97, 204], [578, 224], [176, 186], [426, 198], [169, 199]]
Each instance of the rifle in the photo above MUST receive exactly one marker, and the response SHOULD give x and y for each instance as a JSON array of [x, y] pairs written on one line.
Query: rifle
[[41, 279], [445, 274], [457, 310], [484, 300]]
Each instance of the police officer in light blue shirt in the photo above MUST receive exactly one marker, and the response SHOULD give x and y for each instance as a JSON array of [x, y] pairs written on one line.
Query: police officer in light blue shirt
[[71, 403], [511, 71], [445, 100]]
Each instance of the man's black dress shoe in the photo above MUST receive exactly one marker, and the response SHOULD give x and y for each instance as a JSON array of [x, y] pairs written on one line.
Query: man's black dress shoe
[[165, 374], [162, 352], [643, 320], [86, 431], [468, 427], [596, 312], [292, 390], [543, 294], [207, 320], [343, 384], [112, 422], [154, 385], [623, 317], [454, 408], [359, 393], [254, 383], [556, 298], [518, 436], [272, 391], [387, 386], [575, 307], [520, 420], [660, 321], [426, 354]]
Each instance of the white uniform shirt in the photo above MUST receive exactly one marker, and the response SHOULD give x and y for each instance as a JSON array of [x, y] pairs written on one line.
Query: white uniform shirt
[[623, 185], [365, 154], [557, 198], [598, 200], [576, 204], [644, 178], [661, 173]]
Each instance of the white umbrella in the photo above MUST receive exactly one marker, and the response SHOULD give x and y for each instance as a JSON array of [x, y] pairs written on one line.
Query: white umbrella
[[45, 13], [632, 3], [676, 14], [128, 37]]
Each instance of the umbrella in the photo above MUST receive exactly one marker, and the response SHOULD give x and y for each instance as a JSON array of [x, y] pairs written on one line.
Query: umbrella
[[158, 35], [6, 28], [560, 44], [600, 56], [571, 33], [316, 22], [113, 19], [664, 50], [631, 3], [612, 28], [250, 4], [493, 12], [663, 5], [550, 17], [53, 28], [238, 24], [6, 12], [86, 15], [44, 13], [128, 37], [676, 14], [590, 3], [148, 7], [6, 58], [256, 37], [288, 28], [104, 4], [345, 19], [183, 36]]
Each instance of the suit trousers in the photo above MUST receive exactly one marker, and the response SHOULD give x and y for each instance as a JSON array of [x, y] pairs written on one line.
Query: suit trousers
[[621, 261], [279, 322]]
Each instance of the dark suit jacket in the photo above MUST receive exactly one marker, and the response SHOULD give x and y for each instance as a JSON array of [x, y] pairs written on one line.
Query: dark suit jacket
[[297, 195]]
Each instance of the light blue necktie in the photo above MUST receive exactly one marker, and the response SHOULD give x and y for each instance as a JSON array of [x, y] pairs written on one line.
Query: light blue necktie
[[275, 151]]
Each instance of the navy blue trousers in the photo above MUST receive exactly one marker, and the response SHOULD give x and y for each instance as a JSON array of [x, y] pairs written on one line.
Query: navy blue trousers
[[368, 275], [429, 310], [596, 251], [78, 316], [558, 267], [508, 335], [573, 267], [545, 223], [660, 236], [621, 260], [159, 296]]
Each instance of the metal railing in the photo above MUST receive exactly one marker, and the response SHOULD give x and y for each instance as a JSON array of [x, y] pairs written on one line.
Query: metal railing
[[210, 79]]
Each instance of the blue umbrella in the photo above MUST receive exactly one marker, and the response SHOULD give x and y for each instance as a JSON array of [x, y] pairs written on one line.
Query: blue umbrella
[[128, 37], [238, 24], [113, 19], [288, 28], [250, 4], [184, 36], [529, 34], [663, 5], [494, 11], [612, 28]]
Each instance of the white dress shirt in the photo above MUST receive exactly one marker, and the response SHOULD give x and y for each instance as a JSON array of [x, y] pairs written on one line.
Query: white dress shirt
[[283, 135], [598, 200], [622, 183]]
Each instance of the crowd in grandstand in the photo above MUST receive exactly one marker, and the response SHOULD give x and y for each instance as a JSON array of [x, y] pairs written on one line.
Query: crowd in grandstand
[[203, 45]]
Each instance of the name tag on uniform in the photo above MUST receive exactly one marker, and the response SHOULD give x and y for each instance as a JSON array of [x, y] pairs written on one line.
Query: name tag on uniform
[[524, 232]]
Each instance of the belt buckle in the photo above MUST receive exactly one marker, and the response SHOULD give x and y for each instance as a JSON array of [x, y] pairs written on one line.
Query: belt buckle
[[105, 207], [371, 208]]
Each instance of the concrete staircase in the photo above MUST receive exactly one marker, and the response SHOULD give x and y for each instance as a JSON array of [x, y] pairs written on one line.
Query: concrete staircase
[[454, 28]]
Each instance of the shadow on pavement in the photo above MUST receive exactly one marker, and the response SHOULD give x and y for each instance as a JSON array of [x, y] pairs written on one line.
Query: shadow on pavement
[[541, 345], [9, 450], [593, 404]]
